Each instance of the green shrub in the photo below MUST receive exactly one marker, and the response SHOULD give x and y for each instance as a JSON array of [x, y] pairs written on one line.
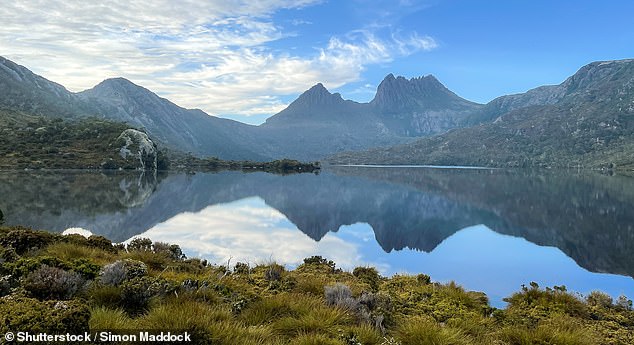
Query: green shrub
[[368, 275], [319, 261], [23, 240], [136, 294], [140, 244], [535, 301], [241, 268], [599, 299], [423, 279], [86, 268], [28, 314], [8, 254], [101, 242], [171, 251]]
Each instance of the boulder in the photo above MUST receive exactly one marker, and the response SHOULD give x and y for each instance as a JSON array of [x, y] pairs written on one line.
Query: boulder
[[136, 146]]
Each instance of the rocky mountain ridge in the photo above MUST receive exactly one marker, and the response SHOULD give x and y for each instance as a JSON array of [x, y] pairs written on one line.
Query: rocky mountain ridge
[[586, 121], [317, 124]]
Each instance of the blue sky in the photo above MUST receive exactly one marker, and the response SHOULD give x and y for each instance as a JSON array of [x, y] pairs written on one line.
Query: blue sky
[[247, 60]]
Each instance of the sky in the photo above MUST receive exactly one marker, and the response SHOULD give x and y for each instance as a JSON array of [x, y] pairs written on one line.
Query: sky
[[247, 60]]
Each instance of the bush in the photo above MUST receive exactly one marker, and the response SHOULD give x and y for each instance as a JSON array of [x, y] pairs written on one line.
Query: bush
[[172, 251], [274, 272], [5, 285], [623, 303], [119, 271], [8, 255], [140, 244], [599, 299], [423, 279], [101, 243], [53, 283], [320, 261], [337, 295], [23, 240], [241, 268], [86, 268], [28, 314], [136, 294], [368, 275]]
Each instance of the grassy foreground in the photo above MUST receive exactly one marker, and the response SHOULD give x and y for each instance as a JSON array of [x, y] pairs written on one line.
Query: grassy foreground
[[54, 283]]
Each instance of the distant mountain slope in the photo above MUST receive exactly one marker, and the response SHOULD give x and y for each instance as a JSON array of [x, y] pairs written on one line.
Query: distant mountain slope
[[184, 129], [121, 100], [22, 90], [588, 121], [319, 123]]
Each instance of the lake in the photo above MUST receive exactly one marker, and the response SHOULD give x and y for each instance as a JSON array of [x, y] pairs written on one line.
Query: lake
[[488, 230]]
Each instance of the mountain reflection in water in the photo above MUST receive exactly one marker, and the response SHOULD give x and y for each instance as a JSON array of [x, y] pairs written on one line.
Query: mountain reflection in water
[[490, 230]]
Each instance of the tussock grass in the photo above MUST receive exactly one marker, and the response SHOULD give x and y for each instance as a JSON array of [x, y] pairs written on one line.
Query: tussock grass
[[323, 320], [103, 318], [425, 331], [275, 307], [315, 339], [72, 251]]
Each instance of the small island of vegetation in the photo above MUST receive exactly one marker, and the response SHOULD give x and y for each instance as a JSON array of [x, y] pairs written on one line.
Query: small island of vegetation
[[69, 283]]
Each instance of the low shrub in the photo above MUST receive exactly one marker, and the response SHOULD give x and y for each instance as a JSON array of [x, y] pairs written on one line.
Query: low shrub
[[22, 240], [368, 275], [241, 268], [122, 270], [29, 314], [53, 283], [140, 244], [599, 299], [319, 261], [274, 272], [172, 251]]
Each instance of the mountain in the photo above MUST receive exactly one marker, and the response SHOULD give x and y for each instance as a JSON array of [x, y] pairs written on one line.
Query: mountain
[[121, 100], [188, 130], [319, 123], [22, 90], [586, 121], [315, 125], [419, 106]]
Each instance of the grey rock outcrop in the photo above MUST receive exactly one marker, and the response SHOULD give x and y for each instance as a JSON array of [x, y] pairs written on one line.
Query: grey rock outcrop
[[137, 147]]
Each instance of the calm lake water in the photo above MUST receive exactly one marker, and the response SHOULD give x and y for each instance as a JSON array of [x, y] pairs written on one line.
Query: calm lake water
[[488, 230]]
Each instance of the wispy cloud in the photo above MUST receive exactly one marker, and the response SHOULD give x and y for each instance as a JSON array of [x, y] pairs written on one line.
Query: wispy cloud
[[213, 55]]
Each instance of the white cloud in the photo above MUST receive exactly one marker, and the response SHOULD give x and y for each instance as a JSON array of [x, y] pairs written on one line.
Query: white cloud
[[211, 55]]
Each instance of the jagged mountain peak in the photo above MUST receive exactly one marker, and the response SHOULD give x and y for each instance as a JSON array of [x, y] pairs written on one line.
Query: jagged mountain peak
[[419, 93]]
